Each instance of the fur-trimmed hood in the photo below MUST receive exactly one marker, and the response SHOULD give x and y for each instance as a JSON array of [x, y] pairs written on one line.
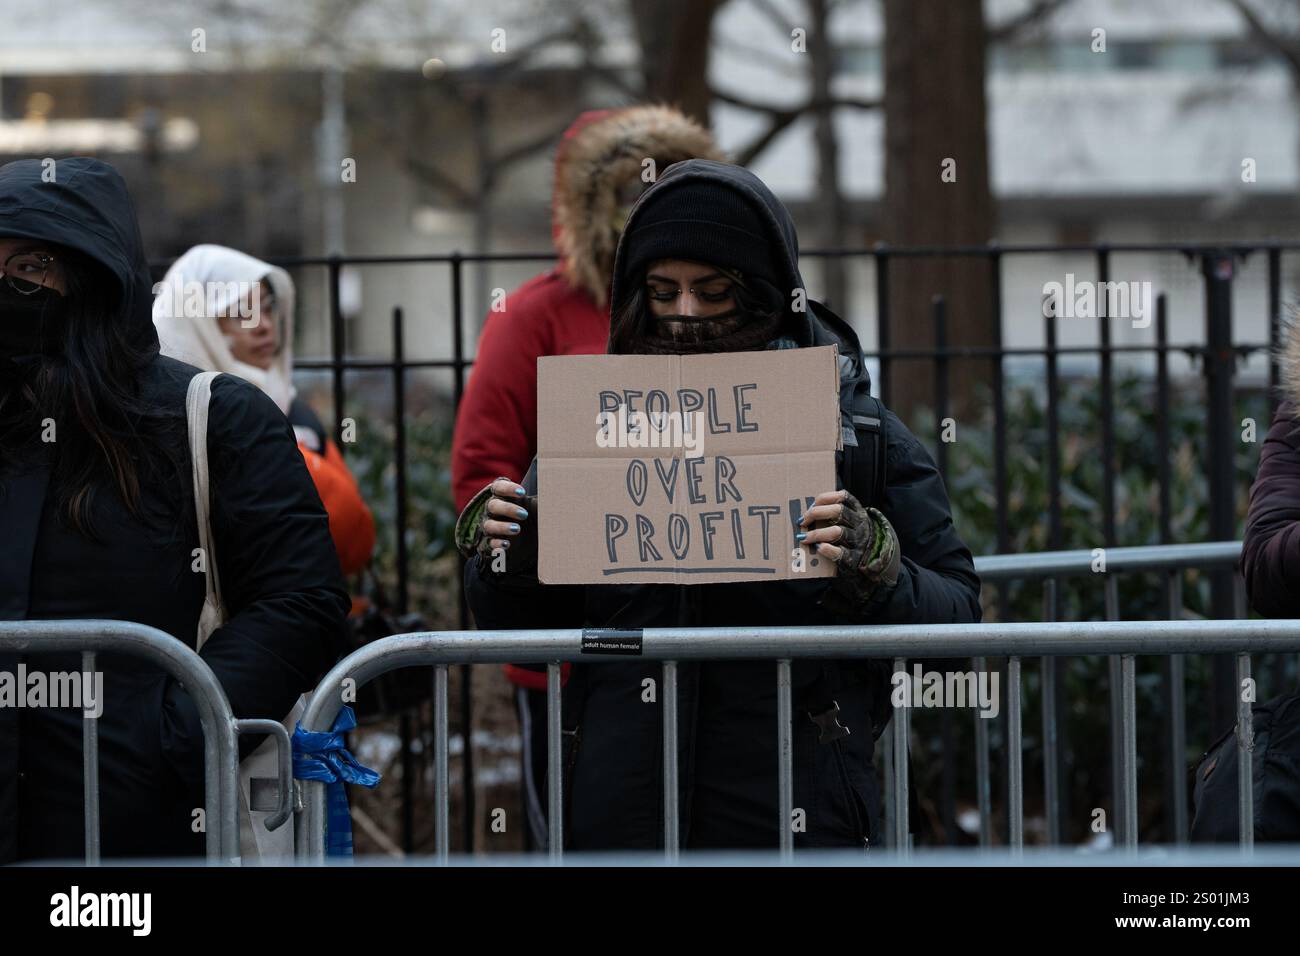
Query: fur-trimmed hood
[[601, 152], [1288, 355]]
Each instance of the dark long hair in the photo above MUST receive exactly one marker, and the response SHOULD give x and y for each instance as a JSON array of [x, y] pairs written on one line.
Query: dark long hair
[[628, 320], [107, 435]]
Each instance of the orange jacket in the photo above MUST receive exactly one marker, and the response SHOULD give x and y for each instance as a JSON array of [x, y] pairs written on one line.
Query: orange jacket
[[351, 525]]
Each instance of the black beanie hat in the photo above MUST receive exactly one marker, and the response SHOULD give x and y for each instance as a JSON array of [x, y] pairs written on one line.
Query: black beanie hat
[[700, 221]]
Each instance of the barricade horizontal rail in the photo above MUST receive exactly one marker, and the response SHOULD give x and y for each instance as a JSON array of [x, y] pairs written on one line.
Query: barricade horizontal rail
[[781, 645], [997, 568], [220, 741]]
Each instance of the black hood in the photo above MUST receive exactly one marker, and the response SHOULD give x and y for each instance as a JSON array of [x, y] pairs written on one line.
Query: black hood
[[817, 325], [86, 207]]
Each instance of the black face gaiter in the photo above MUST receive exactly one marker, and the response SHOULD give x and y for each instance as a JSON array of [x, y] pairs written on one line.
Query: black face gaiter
[[730, 331], [30, 325]]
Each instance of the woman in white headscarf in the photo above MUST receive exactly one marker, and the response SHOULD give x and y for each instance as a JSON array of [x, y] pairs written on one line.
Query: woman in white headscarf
[[224, 311]]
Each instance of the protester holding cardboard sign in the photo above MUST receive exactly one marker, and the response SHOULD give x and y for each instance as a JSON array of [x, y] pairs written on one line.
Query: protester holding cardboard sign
[[708, 263], [604, 160]]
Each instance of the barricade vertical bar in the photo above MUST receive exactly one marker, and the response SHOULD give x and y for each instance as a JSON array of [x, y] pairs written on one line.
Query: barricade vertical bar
[[670, 761], [901, 783], [1047, 671], [1178, 715], [1128, 692], [441, 789], [785, 757], [90, 768], [982, 792], [554, 781], [1116, 717], [887, 784], [1245, 759], [1015, 756]]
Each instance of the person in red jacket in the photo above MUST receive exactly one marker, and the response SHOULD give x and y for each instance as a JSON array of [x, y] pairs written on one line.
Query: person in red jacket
[[604, 161], [599, 170]]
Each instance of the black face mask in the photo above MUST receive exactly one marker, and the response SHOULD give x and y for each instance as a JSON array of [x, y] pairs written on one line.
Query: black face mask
[[28, 322], [732, 331]]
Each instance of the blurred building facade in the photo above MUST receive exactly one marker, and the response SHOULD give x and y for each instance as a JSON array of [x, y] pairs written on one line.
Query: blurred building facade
[[244, 142]]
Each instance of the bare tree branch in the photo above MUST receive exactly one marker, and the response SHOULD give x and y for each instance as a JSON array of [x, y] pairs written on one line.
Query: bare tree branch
[[1038, 12], [835, 102], [783, 117], [436, 178], [1287, 48], [774, 14], [524, 150], [779, 125]]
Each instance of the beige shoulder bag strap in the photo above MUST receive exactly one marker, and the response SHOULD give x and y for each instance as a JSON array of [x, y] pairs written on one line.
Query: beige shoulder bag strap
[[197, 400], [256, 843]]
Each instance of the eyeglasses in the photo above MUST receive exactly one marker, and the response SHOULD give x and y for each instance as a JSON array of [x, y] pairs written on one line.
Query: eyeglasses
[[270, 305], [29, 272]]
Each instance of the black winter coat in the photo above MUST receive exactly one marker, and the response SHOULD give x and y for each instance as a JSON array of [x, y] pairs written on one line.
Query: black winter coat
[[1270, 559], [727, 711], [280, 578]]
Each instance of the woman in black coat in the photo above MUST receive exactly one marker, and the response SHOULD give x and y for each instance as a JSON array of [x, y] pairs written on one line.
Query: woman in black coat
[[100, 523], [708, 262]]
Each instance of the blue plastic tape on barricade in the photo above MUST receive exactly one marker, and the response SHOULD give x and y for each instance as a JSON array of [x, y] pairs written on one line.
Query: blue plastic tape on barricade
[[320, 755]]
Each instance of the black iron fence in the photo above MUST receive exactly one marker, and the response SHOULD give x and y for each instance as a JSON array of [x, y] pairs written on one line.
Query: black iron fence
[[1218, 352]]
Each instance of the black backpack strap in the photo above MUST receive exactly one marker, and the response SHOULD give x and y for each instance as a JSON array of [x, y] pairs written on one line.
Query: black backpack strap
[[864, 466]]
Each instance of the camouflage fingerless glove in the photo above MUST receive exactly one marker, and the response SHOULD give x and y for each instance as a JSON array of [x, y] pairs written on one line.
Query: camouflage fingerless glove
[[870, 558]]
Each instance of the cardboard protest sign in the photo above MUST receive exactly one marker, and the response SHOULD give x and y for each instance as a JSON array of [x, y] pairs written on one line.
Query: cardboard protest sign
[[691, 469]]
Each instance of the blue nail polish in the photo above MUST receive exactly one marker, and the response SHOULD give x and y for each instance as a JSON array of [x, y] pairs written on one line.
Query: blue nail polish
[[520, 492], [801, 535], [514, 527], [521, 513]]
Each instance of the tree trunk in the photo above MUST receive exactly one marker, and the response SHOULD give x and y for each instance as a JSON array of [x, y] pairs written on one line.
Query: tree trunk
[[830, 201], [935, 112], [674, 37]]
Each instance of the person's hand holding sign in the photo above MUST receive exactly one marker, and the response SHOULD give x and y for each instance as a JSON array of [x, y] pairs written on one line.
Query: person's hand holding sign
[[500, 518], [860, 541]]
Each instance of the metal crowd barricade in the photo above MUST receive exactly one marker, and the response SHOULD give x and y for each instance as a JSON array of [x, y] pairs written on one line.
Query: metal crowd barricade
[[1050, 567], [220, 727], [782, 644]]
